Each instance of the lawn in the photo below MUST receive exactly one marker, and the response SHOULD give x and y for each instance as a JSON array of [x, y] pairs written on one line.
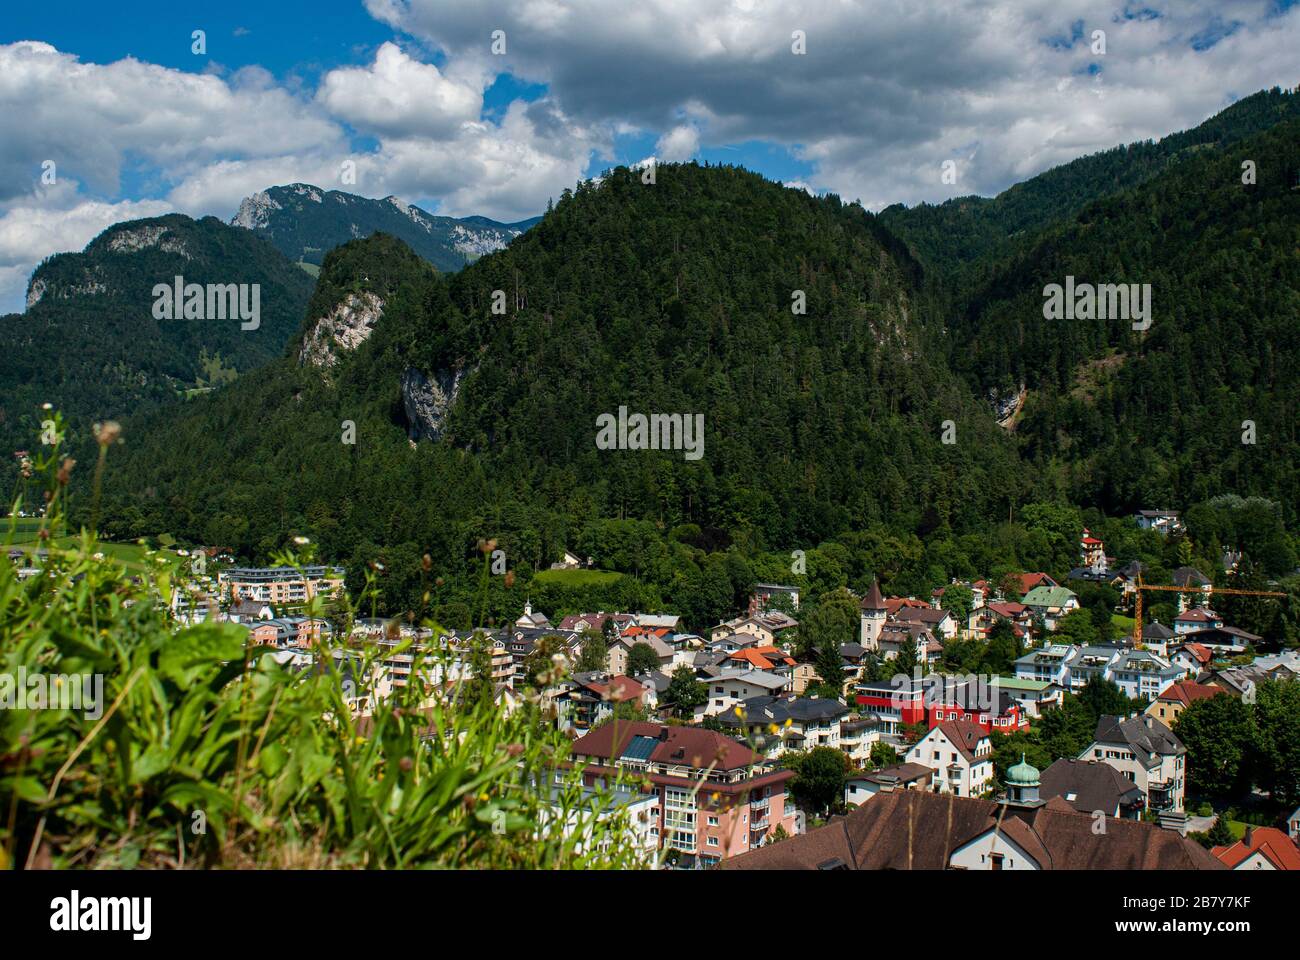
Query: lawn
[[577, 578], [25, 538]]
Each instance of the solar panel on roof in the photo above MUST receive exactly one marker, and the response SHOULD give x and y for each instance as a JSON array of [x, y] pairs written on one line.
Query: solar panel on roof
[[640, 748]]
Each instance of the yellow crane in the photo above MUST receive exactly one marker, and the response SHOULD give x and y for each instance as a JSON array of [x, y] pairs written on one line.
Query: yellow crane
[[1139, 586]]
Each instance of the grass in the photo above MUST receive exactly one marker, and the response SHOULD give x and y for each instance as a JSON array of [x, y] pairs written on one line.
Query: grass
[[1122, 622], [577, 578], [130, 555]]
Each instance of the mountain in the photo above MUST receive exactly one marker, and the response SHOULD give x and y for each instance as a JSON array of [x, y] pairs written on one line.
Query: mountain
[[304, 222], [956, 233], [91, 344], [670, 299]]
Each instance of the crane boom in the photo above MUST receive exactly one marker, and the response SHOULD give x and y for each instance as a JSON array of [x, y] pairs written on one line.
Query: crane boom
[[1139, 587]]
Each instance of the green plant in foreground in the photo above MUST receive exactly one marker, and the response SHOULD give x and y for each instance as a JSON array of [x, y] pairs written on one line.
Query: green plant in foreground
[[203, 751]]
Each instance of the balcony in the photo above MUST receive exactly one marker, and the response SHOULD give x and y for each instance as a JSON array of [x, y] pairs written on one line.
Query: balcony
[[760, 806]]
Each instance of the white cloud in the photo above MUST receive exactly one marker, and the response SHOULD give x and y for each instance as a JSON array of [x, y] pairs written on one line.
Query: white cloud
[[680, 143], [399, 96]]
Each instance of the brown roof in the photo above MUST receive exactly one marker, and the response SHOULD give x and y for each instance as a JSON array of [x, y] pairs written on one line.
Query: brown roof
[[1088, 785], [916, 830], [873, 600], [692, 746], [923, 614], [965, 735]]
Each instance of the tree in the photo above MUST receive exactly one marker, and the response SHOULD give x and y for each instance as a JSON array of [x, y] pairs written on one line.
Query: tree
[[1276, 750], [819, 777], [1002, 649], [830, 667], [1077, 627], [539, 664], [957, 600], [684, 692], [832, 622], [1103, 698], [1220, 834], [1218, 733], [594, 654], [641, 659], [882, 755]]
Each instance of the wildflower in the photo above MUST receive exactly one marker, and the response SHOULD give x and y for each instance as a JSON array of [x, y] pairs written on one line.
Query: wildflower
[[47, 406], [107, 432], [301, 541], [426, 562], [406, 763], [515, 749], [65, 470], [510, 579]]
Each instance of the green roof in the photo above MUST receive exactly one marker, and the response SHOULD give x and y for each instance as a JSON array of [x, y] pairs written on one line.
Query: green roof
[[1048, 597], [1023, 774], [1016, 683]]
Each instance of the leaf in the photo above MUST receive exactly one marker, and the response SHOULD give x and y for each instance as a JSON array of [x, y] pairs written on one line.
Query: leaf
[[197, 649]]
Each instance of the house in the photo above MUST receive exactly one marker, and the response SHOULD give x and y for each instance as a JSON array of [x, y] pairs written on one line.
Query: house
[[625, 817], [1262, 848], [1192, 578], [894, 637], [1051, 664], [715, 798], [1156, 637], [279, 585], [246, 610], [729, 688], [761, 597], [1192, 657], [803, 676], [774, 725], [1092, 552], [766, 657], [903, 776], [621, 649], [920, 830], [1034, 696], [586, 699], [1177, 697], [1090, 786], [1018, 615], [961, 756], [751, 626], [1197, 618], [858, 733], [1229, 641], [1146, 752], [1051, 604], [1141, 675], [1092, 662], [1031, 581], [571, 561], [940, 622], [983, 705], [1293, 825], [1161, 521], [896, 702]]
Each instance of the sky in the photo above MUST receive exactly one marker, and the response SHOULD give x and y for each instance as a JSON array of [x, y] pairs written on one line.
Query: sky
[[111, 112]]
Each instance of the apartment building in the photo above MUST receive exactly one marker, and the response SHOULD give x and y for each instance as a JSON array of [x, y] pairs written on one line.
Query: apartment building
[[279, 585]]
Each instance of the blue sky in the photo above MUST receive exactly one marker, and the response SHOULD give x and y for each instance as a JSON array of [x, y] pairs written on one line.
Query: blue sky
[[880, 95]]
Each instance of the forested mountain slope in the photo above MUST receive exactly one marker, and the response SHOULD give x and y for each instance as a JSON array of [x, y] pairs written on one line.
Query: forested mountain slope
[[89, 342]]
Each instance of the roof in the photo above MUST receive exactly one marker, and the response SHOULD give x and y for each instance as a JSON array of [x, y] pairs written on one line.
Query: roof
[[897, 773], [765, 657], [1188, 691], [1189, 576], [1048, 597], [1156, 631], [1029, 581], [1143, 733], [692, 746], [1089, 785], [1197, 615], [873, 600], [918, 830], [925, 614], [1269, 842], [965, 735], [778, 710]]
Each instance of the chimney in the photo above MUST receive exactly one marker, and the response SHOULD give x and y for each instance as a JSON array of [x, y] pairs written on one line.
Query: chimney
[[663, 733], [1174, 820]]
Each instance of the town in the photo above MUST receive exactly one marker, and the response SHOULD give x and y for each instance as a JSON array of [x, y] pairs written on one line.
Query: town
[[737, 746]]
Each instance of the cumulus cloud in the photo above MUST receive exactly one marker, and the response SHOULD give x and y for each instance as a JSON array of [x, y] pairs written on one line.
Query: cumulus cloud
[[398, 95], [886, 91], [679, 143]]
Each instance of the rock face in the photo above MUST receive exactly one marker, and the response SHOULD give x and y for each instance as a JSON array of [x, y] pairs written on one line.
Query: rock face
[[343, 329], [149, 235], [427, 401]]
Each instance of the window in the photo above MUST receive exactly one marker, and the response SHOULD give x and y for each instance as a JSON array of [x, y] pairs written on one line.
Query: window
[[713, 841], [995, 862], [713, 821]]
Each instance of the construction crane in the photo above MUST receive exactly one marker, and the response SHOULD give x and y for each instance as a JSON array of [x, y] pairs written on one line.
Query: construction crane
[[1139, 586]]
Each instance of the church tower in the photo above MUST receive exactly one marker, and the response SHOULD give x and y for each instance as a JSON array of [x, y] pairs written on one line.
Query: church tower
[[873, 617]]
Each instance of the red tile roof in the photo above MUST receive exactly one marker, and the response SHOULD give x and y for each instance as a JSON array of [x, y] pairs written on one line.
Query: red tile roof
[[1275, 846], [1186, 691], [691, 746]]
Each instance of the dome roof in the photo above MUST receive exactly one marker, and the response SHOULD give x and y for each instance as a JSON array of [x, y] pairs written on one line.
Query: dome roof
[[1023, 774]]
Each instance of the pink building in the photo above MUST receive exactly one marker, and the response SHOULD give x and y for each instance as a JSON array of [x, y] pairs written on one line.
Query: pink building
[[717, 798]]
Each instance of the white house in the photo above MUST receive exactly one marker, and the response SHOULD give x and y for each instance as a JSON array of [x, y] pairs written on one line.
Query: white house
[[961, 756], [1142, 675], [729, 688], [1145, 751], [1051, 664]]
